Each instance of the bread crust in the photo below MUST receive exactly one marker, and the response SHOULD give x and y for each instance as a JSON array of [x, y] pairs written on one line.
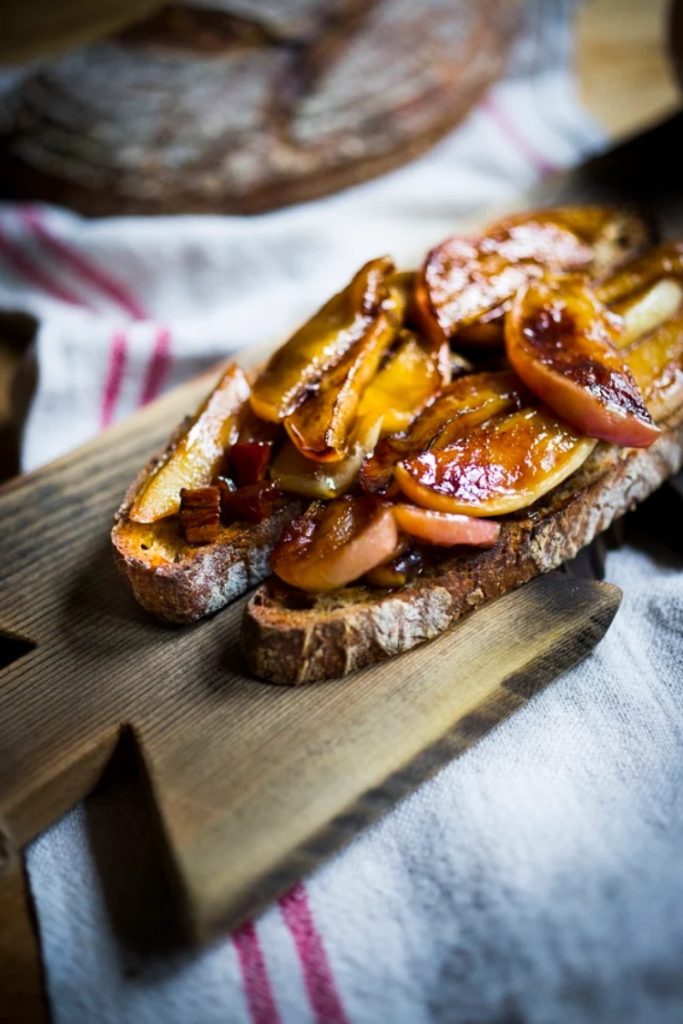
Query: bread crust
[[289, 638]]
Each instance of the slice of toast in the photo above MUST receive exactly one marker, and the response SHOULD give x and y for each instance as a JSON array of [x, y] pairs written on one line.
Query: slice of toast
[[292, 637], [181, 582]]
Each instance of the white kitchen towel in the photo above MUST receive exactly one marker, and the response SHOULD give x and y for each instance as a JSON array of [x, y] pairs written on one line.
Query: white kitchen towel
[[538, 879]]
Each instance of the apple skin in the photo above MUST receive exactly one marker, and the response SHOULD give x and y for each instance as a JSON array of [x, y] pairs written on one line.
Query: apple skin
[[445, 529], [562, 343], [336, 543]]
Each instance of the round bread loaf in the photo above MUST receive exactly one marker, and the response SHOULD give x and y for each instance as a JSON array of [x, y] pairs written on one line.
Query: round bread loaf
[[239, 107]]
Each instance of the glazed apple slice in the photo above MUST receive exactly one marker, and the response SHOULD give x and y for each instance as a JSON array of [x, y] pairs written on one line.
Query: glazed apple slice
[[467, 283], [296, 474], [560, 340], [465, 403], [445, 528], [322, 425], [403, 386], [648, 310], [656, 362], [336, 543], [298, 365], [502, 465], [198, 453], [661, 261]]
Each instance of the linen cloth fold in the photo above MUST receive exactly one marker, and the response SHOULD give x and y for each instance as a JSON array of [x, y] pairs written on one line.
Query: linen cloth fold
[[535, 881]]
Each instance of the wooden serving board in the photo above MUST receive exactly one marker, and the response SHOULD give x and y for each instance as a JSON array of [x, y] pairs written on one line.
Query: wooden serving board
[[253, 783]]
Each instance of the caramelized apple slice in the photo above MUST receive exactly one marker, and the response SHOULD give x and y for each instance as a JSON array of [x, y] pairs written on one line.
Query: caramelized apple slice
[[664, 260], [469, 279], [334, 544], [656, 362], [500, 466], [649, 309], [465, 403], [445, 528], [403, 386], [296, 474], [321, 426], [198, 454], [561, 342], [299, 364]]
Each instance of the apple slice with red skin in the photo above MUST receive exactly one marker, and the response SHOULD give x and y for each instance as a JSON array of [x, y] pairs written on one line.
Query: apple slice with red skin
[[445, 529], [467, 282], [333, 544], [561, 342]]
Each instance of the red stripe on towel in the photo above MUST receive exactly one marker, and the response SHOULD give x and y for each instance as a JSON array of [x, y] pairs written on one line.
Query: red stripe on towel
[[508, 127], [157, 367], [22, 265], [112, 383], [318, 977], [257, 988], [74, 259]]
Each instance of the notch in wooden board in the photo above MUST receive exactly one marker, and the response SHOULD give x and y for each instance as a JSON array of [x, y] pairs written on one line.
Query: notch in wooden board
[[13, 647]]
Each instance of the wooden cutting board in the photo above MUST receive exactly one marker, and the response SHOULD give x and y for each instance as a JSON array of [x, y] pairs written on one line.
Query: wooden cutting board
[[253, 783]]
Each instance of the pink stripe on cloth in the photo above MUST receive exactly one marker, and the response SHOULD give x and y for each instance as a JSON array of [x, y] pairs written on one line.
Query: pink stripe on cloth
[[318, 978], [257, 989], [537, 160], [74, 259], [24, 266], [112, 383], [157, 366]]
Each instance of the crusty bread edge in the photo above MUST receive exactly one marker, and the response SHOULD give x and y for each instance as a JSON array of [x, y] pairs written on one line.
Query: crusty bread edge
[[286, 645]]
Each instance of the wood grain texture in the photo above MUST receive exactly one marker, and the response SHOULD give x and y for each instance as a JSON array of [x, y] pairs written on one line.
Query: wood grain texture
[[253, 784]]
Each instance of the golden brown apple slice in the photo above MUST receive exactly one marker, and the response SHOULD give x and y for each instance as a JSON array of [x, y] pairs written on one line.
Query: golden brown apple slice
[[322, 424], [656, 362], [661, 261], [334, 544], [296, 474], [498, 467], [465, 403], [467, 280], [403, 386], [298, 365], [560, 340], [648, 310], [198, 453]]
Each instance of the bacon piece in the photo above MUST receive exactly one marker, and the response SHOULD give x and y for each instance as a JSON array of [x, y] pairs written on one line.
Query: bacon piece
[[200, 514]]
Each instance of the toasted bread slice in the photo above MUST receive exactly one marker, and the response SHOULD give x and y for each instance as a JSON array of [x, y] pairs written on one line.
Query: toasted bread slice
[[181, 582], [291, 637]]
